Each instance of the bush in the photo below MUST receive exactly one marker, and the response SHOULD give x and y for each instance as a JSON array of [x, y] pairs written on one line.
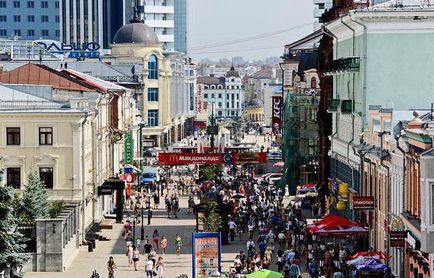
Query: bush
[[55, 208]]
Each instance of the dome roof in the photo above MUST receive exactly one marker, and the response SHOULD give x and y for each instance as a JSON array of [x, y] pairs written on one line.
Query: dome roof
[[135, 32], [255, 102]]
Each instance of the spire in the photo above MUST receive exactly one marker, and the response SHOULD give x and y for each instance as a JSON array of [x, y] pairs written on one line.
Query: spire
[[136, 18], [232, 65]]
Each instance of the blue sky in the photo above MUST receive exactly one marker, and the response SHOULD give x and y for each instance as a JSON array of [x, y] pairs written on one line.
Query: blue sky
[[218, 22]]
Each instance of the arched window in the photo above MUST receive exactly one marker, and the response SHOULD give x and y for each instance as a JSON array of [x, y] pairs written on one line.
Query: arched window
[[153, 67], [212, 86], [313, 83]]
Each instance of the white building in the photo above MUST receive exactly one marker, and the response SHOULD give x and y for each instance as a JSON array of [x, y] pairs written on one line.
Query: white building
[[160, 15], [225, 92]]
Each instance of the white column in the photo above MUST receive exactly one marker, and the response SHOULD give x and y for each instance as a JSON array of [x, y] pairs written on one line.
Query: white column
[[74, 20], [81, 22], [100, 23], [90, 8], [67, 22], [61, 38]]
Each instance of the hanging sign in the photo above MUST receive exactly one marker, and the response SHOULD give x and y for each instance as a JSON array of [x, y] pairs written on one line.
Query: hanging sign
[[276, 119]]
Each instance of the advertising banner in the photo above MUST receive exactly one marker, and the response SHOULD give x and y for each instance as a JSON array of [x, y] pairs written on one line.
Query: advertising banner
[[250, 157], [363, 203], [190, 158], [397, 238], [199, 99], [276, 118], [128, 148], [206, 252]]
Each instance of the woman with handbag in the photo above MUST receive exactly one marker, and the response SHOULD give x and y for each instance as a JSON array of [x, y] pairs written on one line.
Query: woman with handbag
[[160, 267]]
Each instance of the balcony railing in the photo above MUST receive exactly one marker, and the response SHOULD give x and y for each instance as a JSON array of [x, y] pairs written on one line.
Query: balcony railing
[[343, 65], [347, 106], [334, 105]]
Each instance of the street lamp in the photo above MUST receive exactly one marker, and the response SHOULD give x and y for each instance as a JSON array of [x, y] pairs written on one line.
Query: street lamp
[[149, 210], [142, 234]]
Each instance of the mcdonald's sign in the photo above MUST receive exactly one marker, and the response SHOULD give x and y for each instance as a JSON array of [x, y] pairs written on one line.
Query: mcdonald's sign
[[190, 158]]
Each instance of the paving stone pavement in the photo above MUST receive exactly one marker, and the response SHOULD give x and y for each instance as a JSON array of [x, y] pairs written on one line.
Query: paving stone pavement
[[86, 261]]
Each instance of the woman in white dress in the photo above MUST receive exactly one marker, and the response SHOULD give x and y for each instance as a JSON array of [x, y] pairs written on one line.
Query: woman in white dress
[[160, 267]]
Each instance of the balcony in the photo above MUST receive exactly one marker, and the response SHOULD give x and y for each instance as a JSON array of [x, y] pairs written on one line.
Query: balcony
[[333, 105], [347, 106], [343, 65]]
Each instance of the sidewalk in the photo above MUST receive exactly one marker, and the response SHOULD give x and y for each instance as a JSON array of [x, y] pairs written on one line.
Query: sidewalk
[[86, 262]]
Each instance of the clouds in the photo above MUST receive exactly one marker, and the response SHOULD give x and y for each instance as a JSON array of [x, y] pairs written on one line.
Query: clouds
[[215, 21]]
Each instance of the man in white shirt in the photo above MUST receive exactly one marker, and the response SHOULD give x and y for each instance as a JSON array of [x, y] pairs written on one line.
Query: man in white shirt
[[232, 227]]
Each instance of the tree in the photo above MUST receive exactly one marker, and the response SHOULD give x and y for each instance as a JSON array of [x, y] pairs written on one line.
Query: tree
[[210, 172], [211, 220], [35, 198], [12, 241]]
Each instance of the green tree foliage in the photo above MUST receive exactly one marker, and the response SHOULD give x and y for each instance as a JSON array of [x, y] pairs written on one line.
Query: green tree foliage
[[210, 172], [55, 208], [211, 220], [35, 198], [12, 241]]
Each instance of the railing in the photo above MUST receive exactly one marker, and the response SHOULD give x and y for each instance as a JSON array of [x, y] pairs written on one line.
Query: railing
[[343, 65], [32, 104]]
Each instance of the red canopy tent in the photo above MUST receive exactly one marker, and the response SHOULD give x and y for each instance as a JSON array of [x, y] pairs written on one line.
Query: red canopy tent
[[279, 164], [334, 225], [376, 254]]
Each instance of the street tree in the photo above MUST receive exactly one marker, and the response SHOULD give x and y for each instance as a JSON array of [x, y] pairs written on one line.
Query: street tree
[[12, 242], [35, 198], [211, 221]]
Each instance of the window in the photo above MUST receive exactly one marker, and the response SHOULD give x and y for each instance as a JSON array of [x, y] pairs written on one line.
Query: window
[[30, 33], [13, 177], [220, 105], [44, 33], [152, 94], [57, 5], [321, 6], [238, 96], [31, 18], [212, 96], [45, 136], [57, 33], [46, 176], [44, 18], [13, 136], [227, 105], [153, 67], [44, 4], [2, 4], [152, 117], [30, 4], [17, 32], [205, 95], [17, 4], [57, 18], [3, 18], [3, 32], [220, 113], [220, 95], [17, 18], [313, 83], [212, 86]]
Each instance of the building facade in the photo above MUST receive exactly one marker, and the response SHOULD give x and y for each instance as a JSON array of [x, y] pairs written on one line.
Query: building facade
[[226, 93], [30, 20], [319, 7]]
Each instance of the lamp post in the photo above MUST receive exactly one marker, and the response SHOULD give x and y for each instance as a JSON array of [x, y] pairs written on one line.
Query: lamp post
[[149, 210], [142, 234]]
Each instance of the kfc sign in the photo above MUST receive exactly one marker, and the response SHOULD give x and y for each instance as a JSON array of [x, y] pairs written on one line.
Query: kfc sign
[[199, 103], [276, 119]]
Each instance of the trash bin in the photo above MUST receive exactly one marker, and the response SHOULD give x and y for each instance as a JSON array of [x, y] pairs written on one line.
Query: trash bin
[[89, 246], [93, 243]]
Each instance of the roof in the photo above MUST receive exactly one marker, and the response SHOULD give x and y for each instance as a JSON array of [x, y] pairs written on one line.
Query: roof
[[44, 75], [255, 102], [100, 84], [208, 80], [232, 73], [308, 60], [310, 41], [135, 32], [10, 94]]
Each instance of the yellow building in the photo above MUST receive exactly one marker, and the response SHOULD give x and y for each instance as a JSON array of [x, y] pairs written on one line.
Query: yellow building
[[254, 111]]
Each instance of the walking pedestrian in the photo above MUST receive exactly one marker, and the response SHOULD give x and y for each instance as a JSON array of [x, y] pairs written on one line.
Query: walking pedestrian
[[163, 245], [129, 254], [136, 254], [111, 266], [155, 237], [178, 244], [149, 268], [232, 226], [160, 267]]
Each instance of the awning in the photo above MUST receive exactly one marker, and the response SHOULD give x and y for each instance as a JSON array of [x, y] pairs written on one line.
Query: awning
[[343, 232], [334, 225], [371, 265], [373, 254], [279, 164]]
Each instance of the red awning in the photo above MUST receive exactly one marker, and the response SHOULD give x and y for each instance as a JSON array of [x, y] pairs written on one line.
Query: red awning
[[279, 164], [332, 222], [342, 232], [375, 254]]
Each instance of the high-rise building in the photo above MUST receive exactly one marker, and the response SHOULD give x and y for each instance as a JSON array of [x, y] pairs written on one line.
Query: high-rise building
[[320, 6], [30, 20], [181, 25]]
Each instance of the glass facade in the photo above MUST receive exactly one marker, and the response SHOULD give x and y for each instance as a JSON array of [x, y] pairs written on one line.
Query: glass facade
[[29, 19], [181, 25]]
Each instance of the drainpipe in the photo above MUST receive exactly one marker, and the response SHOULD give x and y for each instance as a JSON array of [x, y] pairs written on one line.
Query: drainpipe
[[348, 87], [365, 61], [83, 182], [388, 193]]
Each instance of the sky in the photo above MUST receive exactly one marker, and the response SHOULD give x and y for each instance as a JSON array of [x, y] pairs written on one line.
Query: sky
[[224, 22]]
